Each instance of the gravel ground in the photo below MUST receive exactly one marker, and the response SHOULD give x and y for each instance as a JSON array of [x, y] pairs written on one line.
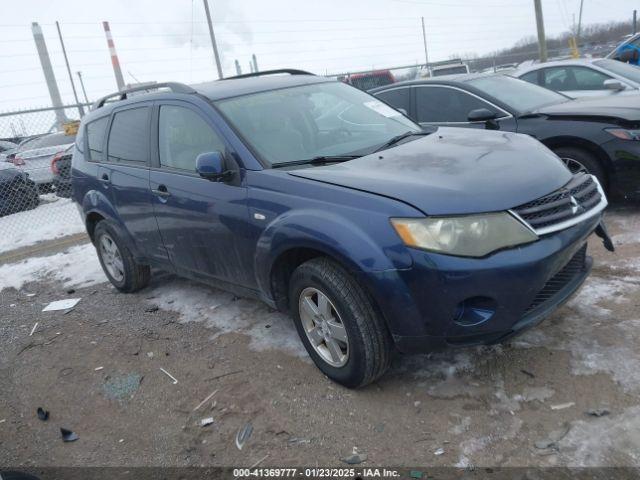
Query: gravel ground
[[97, 370]]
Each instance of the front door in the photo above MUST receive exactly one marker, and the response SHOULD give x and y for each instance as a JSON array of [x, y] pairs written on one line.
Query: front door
[[203, 224]]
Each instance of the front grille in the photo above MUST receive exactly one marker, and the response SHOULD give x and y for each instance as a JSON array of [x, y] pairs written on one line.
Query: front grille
[[556, 283], [578, 196]]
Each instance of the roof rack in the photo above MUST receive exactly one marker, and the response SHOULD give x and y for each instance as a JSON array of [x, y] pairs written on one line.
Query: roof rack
[[290, 71], [173, 86]]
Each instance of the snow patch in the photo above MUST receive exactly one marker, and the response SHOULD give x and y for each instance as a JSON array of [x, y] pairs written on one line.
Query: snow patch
[[76, 267], [57, 218], [222, 311]]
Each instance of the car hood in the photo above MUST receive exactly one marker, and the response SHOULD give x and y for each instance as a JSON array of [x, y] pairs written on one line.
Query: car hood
[[625, 107], [453, 171]]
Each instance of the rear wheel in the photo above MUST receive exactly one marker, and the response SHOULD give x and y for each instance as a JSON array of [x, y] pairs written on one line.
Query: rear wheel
[[338, 324], [578, 160], [117, 261]]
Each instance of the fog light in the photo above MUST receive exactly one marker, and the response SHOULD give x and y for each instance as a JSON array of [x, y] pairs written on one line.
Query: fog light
[[474, 311]]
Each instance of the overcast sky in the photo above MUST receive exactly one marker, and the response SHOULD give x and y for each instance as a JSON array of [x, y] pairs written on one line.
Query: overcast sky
[[168, 40]]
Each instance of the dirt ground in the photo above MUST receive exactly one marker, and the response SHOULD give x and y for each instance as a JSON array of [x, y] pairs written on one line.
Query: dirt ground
[[97, 370]]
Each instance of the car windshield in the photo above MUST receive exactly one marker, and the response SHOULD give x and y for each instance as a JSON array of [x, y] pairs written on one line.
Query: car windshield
[[309, 121], [519, 95], [623, 69]]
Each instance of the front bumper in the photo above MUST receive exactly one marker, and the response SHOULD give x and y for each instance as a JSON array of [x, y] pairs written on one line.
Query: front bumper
[[422, 305]]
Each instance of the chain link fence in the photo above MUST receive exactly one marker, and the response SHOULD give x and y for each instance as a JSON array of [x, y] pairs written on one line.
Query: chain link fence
[[35, 182]]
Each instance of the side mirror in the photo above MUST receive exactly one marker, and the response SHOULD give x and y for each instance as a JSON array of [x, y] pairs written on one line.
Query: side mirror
[[481, 115], [613, 84], [210, 165]]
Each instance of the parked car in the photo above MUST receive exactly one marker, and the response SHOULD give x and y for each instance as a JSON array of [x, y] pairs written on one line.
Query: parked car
[[6, 148], [61, 169], [34, 157], [584, 77], [454, 68], [374, 235], [597, 135], [17, 191], [369, 80], [628, 51]]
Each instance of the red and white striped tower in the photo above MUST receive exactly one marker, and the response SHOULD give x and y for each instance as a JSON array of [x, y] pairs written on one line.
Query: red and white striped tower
[[114, 56]]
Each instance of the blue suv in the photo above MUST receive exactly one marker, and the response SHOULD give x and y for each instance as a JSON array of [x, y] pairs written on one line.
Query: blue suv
[[324, 202]]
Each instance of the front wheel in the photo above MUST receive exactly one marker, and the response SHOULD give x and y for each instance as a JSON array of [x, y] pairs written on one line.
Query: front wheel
[[578, 160], [117, 261], [338, 324]]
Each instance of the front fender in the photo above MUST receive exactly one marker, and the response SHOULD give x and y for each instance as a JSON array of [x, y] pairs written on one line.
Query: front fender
[[375, 250]]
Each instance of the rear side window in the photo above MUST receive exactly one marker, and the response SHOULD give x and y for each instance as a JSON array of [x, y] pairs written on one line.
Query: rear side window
[[442, 104], [95, 138], [397, 98], [531, 77], [182, 136], [129, 136]]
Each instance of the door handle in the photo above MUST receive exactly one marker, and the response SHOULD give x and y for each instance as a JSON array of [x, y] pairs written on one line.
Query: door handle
[[161, 191]]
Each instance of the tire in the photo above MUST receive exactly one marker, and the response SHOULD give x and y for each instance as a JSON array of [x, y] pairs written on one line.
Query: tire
[[126, 275], [368, 347], [578, 156]]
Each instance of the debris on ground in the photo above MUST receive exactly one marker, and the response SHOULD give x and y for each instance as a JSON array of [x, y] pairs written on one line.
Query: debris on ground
[[206, 421], [68, 435], [122, 386], [243, 435], [42, 414], [71, 291], [34, 329], [259, 461], [152, 308], [298, 441], [206, 400], [439, 451], [527, 373], [97, 369], [598, 412], [553, 438], [150, 354], [355, 457], [562, 406], [175, 380], [3, 420], [65, 304]]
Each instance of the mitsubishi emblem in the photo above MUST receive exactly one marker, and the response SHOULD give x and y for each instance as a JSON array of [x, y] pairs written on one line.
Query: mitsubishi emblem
[[574, 205]]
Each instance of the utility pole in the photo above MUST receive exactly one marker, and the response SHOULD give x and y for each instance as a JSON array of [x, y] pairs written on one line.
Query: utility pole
[[635, 18], [49, 76], [542, 41], [424, 40], [255, 62], [216, 56], [238, 69], [114, 57], [84, 92], [66, 61], [579, 21]]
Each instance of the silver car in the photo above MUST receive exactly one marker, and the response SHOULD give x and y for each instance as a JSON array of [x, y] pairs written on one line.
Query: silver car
[[584, 77], [34, 157]]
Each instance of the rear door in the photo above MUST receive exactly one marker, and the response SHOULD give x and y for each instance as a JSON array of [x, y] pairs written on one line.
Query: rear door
[[126, 174], [204, 224]]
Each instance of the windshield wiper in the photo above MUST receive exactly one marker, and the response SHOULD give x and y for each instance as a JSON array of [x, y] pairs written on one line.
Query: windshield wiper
[[321, 160], [398, 138]]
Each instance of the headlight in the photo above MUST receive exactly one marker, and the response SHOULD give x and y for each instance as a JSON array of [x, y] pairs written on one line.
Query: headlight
[[467, 236], [624, 133]]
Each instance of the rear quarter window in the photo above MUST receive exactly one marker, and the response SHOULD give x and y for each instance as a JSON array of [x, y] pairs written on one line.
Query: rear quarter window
[[95, 138]]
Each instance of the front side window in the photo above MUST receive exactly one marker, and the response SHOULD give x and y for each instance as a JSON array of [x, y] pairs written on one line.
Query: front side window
[[574, 78], [444, 104], [95, 138], [531, 77], [182, 136], [304, 122], [129, 136]]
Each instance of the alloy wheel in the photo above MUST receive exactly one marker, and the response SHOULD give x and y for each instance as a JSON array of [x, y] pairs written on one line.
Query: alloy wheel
[[111, 257], [574, 165], [323, 326]]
